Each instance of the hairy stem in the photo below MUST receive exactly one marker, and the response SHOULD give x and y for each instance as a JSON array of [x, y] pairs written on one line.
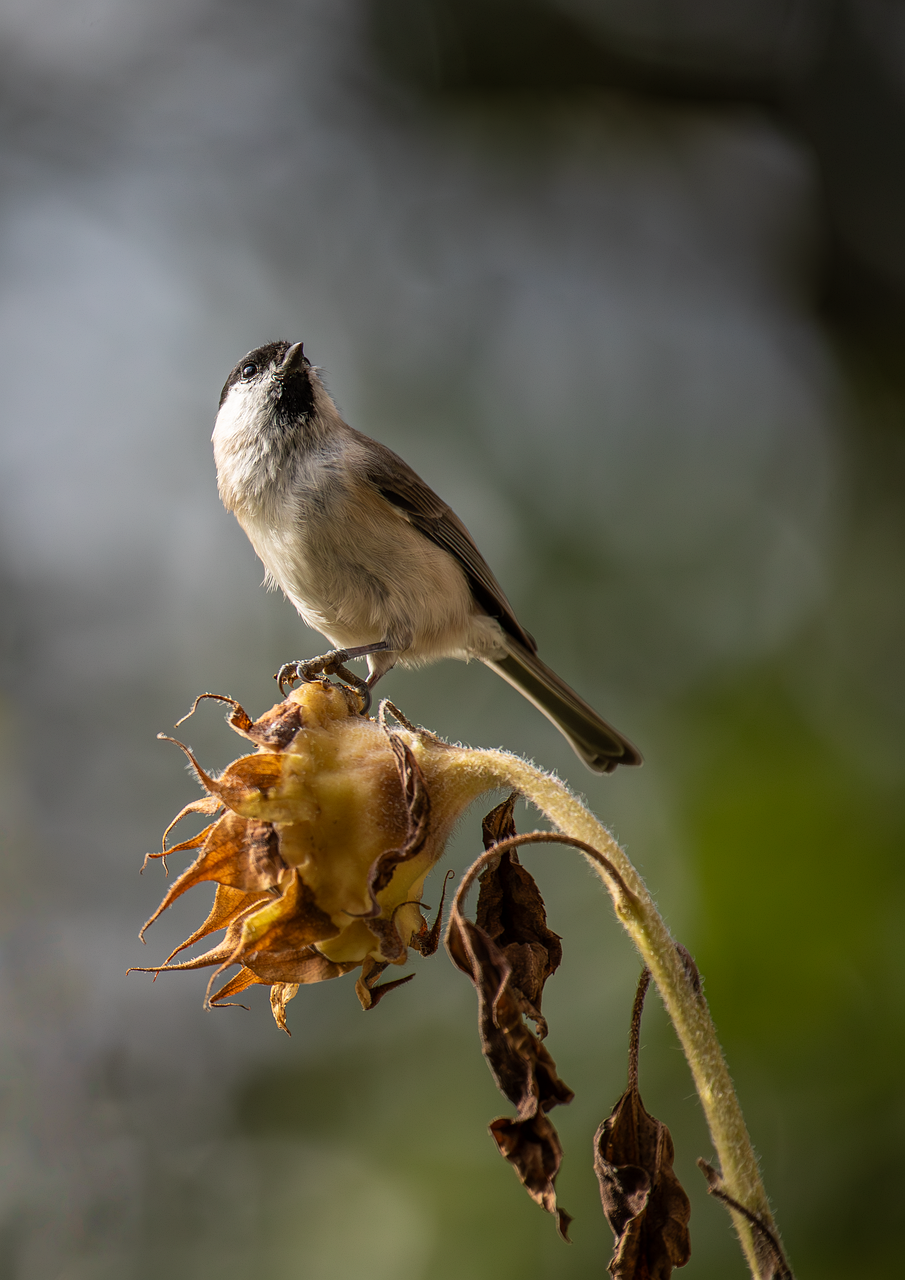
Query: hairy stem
[[675, 978]]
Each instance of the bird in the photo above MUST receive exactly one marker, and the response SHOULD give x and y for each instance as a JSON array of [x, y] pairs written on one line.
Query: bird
[[366, 551]]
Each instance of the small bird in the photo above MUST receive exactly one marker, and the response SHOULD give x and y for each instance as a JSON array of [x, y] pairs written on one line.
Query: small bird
[[366, 551]]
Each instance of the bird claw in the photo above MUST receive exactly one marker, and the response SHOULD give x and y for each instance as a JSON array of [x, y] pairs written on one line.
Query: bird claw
[[328, 664]]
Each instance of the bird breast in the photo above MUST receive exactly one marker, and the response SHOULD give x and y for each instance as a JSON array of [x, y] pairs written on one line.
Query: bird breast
[[359, 572]]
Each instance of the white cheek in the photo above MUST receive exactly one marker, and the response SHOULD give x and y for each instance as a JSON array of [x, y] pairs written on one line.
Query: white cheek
[[239, 420], [246, 464]]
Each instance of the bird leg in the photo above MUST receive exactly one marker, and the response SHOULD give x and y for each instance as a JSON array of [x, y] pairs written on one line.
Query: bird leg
[[331, 664]]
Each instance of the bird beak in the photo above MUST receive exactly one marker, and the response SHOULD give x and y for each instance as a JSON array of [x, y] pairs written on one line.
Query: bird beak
[[294, 359]]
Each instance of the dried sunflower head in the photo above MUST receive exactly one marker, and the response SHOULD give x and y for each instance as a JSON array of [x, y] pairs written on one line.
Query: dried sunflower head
[[324, 837]]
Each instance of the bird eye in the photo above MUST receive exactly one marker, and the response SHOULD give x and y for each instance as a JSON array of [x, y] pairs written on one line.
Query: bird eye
[[249, 370]]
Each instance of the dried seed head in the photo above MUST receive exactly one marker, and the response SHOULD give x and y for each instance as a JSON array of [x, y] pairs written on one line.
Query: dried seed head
[[321, 850]]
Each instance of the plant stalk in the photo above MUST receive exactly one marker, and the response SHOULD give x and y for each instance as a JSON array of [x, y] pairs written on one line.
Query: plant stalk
[[677, 982]]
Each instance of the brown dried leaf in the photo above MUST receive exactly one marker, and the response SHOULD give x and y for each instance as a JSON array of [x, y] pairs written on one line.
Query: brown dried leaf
[[771, 1261], [520, 1063], [499, 823], [642, 1198], [511, 912]]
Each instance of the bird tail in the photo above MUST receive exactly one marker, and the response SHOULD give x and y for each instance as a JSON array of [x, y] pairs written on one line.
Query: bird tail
[[598, 744]]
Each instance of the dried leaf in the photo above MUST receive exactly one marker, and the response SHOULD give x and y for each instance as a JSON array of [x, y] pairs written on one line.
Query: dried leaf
[[520, 1063], [642, 1198], [511, 912], [771, 1261], [499, 823]]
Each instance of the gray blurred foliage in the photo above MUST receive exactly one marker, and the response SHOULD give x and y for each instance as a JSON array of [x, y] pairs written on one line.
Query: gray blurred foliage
[[624, 282]]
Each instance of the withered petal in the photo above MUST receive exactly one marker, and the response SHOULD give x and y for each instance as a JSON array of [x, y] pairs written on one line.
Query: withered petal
[[369, 992], [205, 804], [387, 936], [274, 935], [244, 784], [427, 940], [277, 727], [238, 718], [280, 995], [297, 968], [220, 955], [238, 982], [239, 852], [229, 905], [248, 780]]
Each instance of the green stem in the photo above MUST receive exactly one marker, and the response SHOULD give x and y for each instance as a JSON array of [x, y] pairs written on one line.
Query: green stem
[[678, 987]]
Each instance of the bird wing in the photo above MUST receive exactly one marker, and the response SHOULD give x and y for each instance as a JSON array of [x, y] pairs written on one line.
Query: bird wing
[[406, 491]]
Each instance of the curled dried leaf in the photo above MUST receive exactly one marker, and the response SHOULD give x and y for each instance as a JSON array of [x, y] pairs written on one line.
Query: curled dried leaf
[[520, 1063], [511, 912], [644, 1202]]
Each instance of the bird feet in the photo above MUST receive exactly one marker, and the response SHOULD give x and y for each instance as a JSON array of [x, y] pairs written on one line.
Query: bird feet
[[331, 664]]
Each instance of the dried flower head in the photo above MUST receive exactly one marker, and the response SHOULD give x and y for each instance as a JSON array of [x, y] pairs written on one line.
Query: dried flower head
[[325, 835]]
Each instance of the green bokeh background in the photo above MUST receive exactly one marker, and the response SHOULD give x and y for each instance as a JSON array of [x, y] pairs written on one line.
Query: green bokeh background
[[623, 287]]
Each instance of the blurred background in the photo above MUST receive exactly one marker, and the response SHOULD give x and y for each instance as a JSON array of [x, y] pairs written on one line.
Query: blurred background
[[625, 281]]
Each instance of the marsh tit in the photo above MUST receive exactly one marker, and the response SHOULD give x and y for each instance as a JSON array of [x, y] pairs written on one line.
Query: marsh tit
[[366, 551]]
